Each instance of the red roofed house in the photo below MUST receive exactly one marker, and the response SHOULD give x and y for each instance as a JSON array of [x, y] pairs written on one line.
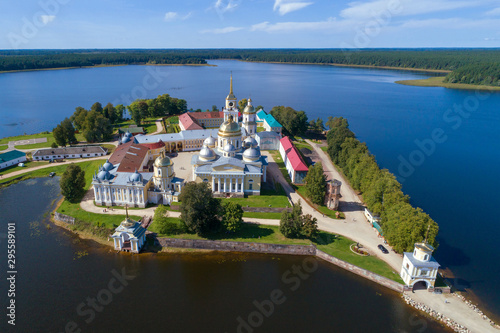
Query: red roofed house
[[212, 119], [295, 165], [200, 120], [187, 122]]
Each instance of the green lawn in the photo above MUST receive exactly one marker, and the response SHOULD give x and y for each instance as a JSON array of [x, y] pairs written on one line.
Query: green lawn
[[248, 232], [110, 221], [28, 165], [279, 161], [339, 247], [323, 209], [173, 120], [325, 149], [260, 129], [268, 198], [3, 147], [109, 147], [49, 137], [302, 144]]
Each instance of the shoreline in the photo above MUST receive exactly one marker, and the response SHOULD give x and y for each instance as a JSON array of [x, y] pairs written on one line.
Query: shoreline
[[437, 81], [97, 66], [422, 70]]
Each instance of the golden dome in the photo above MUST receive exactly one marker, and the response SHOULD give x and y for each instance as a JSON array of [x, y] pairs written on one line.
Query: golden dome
[[229, 128], [162, 160]]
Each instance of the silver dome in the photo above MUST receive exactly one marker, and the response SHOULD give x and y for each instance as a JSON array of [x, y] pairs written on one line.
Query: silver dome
[[229, 148], [128, 134], [250, 142], [104, 175], [135, 177], [251, 154], [210, 141], [206, 153], [125, 139], [107, 166]]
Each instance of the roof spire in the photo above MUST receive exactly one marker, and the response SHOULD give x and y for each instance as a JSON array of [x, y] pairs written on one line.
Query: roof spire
[[427, 233], [231, 84]]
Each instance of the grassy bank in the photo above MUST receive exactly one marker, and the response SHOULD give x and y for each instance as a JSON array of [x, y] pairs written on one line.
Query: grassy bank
[[438, 82]]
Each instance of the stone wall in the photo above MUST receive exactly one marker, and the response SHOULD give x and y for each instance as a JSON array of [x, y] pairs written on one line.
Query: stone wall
[[238, 246], [64, 218], [279, 249], [361, 272]]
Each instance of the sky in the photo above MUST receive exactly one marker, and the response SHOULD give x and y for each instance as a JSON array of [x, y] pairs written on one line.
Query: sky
[[68, 24]]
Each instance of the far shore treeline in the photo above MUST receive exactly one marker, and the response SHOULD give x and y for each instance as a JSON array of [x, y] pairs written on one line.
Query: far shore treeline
[[470, 66], [402, 224]]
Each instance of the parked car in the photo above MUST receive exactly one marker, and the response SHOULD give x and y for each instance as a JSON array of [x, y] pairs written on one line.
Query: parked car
[[383, 249]]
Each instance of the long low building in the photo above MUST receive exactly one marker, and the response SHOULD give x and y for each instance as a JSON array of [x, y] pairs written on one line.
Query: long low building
[[11, 158], [69, 152], [295, 165], [189, 140]]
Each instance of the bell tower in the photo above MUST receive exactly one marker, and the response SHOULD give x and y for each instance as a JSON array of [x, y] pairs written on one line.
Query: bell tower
[[231, 108]]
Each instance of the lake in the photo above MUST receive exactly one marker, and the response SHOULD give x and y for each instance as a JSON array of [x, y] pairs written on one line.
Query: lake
[[62, 280], [454, 180]]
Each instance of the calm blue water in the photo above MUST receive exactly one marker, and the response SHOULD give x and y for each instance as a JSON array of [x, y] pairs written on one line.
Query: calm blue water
[[453, 180]]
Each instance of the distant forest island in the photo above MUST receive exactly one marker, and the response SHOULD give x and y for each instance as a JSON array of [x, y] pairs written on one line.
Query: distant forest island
[[465, 68]]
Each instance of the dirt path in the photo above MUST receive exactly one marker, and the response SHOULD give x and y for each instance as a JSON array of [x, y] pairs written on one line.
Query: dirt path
[[159, 127]]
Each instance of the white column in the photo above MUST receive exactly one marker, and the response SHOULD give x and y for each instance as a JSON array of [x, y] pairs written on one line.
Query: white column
[[242, 185], [219, 185], [225, 184], [213, 184]]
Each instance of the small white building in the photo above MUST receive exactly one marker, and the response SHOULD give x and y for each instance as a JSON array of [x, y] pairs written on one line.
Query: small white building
[[11, 158], [420, 266], [371, 217], [129, 236], [68, 152]]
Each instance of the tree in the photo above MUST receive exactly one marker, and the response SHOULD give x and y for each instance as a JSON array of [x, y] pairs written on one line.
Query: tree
[[233, 216], [214, 108], [73, 183], [109, 112], [291, 223], [54, 145], [316, 184], [69, 130], [59, 136], [119, 109], [242, 103], [200, 212], [309, 227], [97, 128], [293, 122], [163, 225], [78, 118], [97, 107]]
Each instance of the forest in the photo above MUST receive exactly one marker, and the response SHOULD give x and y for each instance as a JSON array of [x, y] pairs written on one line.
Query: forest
[[473, 66], [403, 225]]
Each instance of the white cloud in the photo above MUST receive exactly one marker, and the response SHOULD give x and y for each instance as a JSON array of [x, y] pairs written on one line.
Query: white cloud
[[493, 12], [222, 6], [330, 25], [221, 30], [47, 18], [370, 9], [174, 16], [286, 6], [452, 23]]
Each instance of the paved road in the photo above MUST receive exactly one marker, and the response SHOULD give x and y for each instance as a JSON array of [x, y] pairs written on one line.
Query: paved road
[[12, 144]]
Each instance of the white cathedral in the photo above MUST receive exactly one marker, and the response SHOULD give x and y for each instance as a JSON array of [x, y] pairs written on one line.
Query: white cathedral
[[231, 164]]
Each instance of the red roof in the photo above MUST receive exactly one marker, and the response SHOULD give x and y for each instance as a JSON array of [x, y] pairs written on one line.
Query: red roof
[[206, 115], [154, 145], [133, 158], [293, 155], [188, 122]]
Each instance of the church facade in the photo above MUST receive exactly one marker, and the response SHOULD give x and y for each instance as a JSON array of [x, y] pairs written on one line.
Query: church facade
[[232, 163]]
